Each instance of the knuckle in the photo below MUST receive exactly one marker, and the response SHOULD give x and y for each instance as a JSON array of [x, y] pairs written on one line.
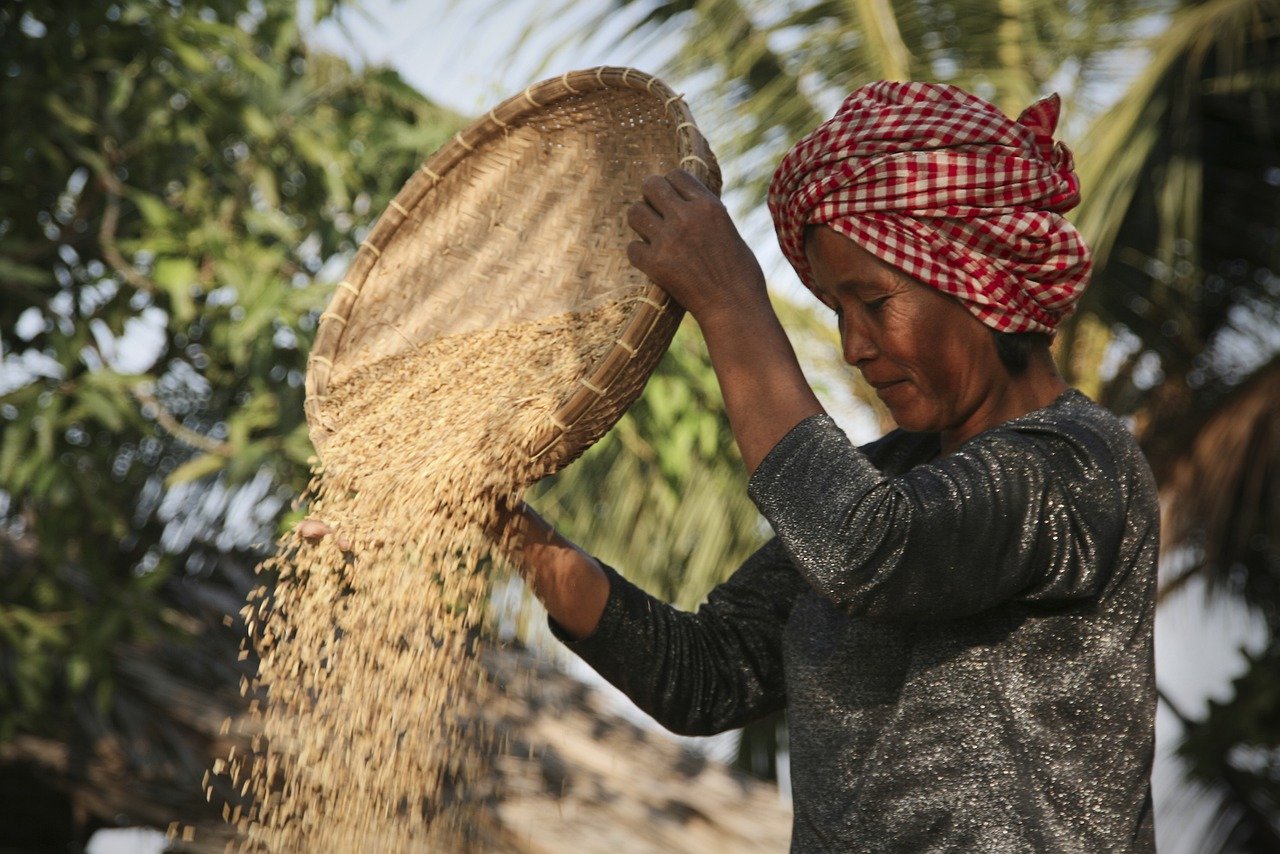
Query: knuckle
[[690, 180]]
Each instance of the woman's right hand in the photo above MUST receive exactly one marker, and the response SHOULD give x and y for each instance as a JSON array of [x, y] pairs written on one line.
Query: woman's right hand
[[690, 247]]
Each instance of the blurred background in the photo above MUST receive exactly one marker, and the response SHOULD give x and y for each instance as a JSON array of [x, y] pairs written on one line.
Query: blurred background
[[183, 183]]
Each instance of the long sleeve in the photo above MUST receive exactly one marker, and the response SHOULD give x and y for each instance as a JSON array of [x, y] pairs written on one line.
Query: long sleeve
[[705, 672], [1028, 510]]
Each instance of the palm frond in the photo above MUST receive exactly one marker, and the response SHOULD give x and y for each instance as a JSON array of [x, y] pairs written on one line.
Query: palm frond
[[879, 24], [1184, 226], [1222, 494], [1232, 754], [1122, 140]]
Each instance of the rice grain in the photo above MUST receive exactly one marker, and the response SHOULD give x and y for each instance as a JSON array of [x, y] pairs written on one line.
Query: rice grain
[[370, 689]]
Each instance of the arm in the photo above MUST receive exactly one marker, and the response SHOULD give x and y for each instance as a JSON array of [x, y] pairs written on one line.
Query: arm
[[571, 584], [1033, 513], [691, 249], [705, 672], [696, 674]]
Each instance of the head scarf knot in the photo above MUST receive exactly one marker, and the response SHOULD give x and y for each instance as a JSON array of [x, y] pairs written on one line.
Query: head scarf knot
[[945, 187]]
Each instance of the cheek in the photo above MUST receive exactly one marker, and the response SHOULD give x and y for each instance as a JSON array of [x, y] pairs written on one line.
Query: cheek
[[919, 340], [939, 349]]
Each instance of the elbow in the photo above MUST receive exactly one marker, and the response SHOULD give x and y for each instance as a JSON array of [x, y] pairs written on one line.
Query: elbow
[[712, 715], [693, 727], [713, 718]]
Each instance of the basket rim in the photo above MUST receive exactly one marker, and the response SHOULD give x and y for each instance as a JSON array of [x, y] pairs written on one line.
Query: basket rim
[[654, 315]]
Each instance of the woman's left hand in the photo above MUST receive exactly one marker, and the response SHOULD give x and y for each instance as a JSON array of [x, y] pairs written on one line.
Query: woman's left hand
[[690, 248]]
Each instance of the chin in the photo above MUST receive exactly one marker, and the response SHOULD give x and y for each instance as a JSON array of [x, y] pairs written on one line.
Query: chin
[[913, 420]]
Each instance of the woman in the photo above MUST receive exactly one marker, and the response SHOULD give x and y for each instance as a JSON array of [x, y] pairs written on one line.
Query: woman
[[957, 617]]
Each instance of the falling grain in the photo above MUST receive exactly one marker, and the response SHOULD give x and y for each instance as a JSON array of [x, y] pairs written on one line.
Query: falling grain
[[367, 645]]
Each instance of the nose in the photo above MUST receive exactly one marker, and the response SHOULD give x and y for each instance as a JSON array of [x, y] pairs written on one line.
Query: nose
[[856, 344]]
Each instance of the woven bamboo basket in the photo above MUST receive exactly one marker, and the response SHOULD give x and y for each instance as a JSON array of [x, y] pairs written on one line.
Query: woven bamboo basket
[[521, 216]]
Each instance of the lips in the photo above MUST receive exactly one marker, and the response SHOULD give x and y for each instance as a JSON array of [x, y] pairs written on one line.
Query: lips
[[882, 384]]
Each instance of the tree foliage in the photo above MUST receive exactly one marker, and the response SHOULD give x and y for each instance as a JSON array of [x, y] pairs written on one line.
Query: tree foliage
[[1185, 215], [778, 69], [177, 182]]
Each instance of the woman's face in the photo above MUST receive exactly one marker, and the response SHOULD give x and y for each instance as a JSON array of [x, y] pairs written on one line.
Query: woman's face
[[932, 362]]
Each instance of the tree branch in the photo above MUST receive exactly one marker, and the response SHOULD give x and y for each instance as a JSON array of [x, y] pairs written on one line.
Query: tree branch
[[107, 237], [175, 429]]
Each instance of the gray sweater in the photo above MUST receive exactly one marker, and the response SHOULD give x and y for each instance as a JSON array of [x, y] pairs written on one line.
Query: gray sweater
[[962, 643]]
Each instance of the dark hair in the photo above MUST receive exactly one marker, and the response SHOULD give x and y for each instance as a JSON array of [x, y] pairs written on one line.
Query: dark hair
[[1015, 348]]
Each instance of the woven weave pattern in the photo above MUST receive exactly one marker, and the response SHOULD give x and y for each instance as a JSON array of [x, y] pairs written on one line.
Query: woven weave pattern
[[520, 217]]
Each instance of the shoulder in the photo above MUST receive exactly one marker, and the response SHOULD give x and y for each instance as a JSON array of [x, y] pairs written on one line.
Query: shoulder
[[1075, 412], [1077, 426], [1084, 446]]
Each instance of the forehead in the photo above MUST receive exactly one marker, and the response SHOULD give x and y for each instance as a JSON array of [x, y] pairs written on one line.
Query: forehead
[[835, 259]]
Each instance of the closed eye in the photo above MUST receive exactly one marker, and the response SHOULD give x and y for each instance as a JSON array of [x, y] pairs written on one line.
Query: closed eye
[[877, 304]]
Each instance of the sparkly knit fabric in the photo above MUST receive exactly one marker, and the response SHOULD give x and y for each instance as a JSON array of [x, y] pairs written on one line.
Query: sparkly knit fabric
[[963, 643]]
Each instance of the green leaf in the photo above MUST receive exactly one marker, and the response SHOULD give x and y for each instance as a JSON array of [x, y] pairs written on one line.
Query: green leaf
[[93, 159], [258, 124], [176, 276], [102, 407], [190, 56], [26, 468], [78, 672], [69, 116], [122, 88], [153, 209], [265, 182], [43, 478], [195, 468], [23, 274]]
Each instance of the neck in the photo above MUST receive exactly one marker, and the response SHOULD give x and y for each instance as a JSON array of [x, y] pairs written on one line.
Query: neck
[[1036, 387]]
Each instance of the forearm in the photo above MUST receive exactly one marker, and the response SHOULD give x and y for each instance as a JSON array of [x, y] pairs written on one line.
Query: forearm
[[765, 392], [690, 247], [568, 581], [702, 673]]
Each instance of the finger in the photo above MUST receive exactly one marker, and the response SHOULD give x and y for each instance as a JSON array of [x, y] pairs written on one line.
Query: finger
[[638, 254], [659, 193], [687, 184], [643, 219]]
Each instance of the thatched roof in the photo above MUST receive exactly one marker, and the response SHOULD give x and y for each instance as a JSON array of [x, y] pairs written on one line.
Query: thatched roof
[[578, 778]]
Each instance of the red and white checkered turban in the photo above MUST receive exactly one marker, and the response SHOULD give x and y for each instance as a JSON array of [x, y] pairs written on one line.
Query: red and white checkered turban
[[946, 188]]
